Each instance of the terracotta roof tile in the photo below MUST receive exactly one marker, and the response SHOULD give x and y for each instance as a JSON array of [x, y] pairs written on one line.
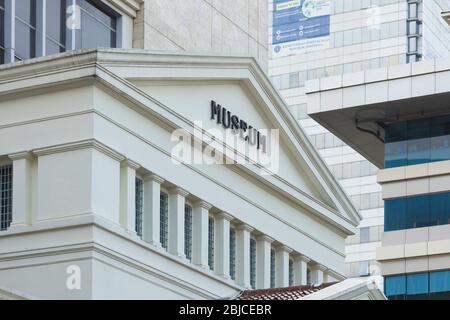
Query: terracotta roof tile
[[290, 293]]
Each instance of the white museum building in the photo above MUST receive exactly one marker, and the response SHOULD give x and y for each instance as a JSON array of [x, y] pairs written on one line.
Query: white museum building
[[95, 207]]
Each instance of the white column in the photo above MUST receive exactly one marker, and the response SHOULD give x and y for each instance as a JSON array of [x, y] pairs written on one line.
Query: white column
[[21, 197], [263, 249], [243, 255], [222, 257], [128, 195], [301, 270], [282, 266], [177, 202], [152, 212], [200, 216], [317, 272]]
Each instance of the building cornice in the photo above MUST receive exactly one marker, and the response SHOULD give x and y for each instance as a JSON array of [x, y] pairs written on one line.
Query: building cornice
[[80, 145]]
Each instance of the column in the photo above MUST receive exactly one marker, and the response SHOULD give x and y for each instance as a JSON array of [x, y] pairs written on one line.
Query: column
[[317, 272], [21, 197], [301, 270], [200, 215], [151, 216], [222, 258], [177, 201], [263, 248], [128, 195], [243, 255], [282, 269]]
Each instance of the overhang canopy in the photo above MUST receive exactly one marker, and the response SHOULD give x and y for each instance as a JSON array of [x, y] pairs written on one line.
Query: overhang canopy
[[355, 107]]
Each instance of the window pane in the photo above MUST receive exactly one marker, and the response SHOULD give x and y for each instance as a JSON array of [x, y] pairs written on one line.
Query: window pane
[[233, 254], [55, 20], [394, 214], [364, 268], [164, 220], [395, 286], [211, 243], [272, 268], [25, 10], [253, 263], [440, 281], [5, 196], [439, 209], [291, 272], [188, 232], [417, 212], [395, 147], [364, 235], [139, 203], [417, 284], [418, 141]]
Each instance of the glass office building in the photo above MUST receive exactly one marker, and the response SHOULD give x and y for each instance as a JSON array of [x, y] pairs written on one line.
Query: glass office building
[[363, 35]]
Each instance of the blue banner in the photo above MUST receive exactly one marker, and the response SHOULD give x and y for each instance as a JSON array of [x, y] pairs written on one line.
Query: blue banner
[[300, 24]]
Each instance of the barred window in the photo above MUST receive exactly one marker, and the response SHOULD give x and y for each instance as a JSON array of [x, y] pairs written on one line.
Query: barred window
[[291, 272], [233, 254], [5, 197], [272, 268], [211, 243], [188, 232], [139, 190], [164, 220], [253, 263]]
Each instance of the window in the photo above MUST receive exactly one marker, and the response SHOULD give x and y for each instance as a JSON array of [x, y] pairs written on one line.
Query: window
[[211, 243], [291, 272], [395, 287], [139, 194], [5, 197], [364, 268], [417, 211], [417, 141], [308, 276], [164, 220], [433, 285], [55, 37], [272, 269], [233, 253], [188, 232], [364, 234], [253, 263], [97, 27], [25, 33]]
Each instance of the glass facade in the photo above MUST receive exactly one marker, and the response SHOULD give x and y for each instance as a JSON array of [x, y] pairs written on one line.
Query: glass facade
[[233, 254], [211, 243], [188, 232], [66, 25], [5, 196], [417, 141], [253, 263], [417, 211], [139, 205], [164, 220], [418, 286]]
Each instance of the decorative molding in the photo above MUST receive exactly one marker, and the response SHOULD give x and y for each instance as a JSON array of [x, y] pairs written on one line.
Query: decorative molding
[[154, 177], [179, 191], [87, 144], [203, 204], [284, 249], [130, 164], [225, 216], [266, 238], [21, 155], [245, 227], [302, 258]]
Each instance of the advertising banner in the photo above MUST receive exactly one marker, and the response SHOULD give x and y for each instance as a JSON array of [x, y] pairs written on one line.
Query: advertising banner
[[300, 26]]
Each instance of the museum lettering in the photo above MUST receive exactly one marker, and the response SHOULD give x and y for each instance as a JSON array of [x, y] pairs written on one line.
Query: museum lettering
[[230, 121]]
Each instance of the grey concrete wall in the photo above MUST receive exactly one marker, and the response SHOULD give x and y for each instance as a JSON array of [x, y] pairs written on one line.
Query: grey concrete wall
[[232, 27]]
